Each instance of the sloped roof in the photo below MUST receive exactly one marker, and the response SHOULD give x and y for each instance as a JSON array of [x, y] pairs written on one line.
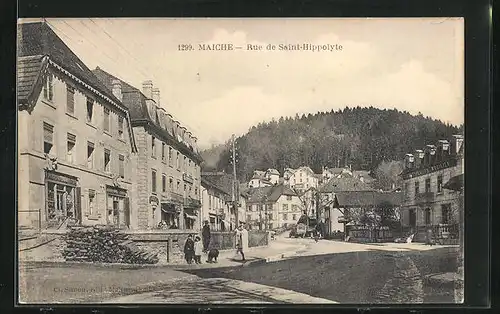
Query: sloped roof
[[38, 39], [135, 101], [345, 184], [367, 198], [336, 170], [29, 69], [269, 193], [273, 171], [206, 182]]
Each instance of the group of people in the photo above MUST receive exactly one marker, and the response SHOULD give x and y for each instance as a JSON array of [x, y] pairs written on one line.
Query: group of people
[[194, 248]]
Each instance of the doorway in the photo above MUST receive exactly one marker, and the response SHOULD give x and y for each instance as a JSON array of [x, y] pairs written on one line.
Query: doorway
[[413, 217]]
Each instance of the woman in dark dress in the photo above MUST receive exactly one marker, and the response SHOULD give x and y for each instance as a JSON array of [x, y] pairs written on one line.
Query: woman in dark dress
[[189, 249]]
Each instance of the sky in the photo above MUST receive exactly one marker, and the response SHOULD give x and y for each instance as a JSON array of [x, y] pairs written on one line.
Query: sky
[[414, 65]]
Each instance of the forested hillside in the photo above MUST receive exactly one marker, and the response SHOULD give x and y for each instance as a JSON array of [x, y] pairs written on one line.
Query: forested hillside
[[360, 137]]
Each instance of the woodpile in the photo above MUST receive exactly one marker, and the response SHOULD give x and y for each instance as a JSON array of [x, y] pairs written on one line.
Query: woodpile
[[104, 244]]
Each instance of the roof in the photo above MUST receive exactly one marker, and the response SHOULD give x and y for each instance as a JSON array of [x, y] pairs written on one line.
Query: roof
[[367, 198], [336, 170], [162, 122], [273, 171], [37, 40], [224, 181], [28, 73], [269, 193], [206, 182], [345, 184]]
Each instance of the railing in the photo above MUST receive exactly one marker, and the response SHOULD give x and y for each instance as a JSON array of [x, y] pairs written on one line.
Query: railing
[[172, 196], [191, 202], [187, 177], [424, 197]]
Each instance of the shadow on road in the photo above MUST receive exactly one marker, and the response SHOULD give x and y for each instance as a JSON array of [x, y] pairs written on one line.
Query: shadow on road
[[354, 277]]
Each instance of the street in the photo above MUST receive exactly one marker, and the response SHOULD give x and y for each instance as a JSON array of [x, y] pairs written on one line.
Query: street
[[322, 272]]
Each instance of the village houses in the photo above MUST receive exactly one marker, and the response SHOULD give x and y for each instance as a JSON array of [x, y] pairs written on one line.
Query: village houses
[[166, 172], [75, 144], [273, 207]]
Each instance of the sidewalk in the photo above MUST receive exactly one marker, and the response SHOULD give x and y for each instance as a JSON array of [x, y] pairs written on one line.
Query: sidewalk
[[65, 282]]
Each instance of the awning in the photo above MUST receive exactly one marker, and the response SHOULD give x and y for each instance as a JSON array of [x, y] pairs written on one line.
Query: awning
[[456, 183], [169, 209], [227, 223], [190, 216]]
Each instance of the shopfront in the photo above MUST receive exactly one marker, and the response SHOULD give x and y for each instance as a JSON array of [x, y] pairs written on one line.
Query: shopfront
[[190, 218], [170, 215], [117, 204], [62, 199]]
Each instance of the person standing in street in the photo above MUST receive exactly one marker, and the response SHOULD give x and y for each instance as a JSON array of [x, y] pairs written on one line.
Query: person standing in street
[[205, 233], [241, 241], [189, 249], [198, 250]]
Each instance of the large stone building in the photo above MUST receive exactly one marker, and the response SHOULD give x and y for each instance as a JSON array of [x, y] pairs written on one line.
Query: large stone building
[[427, 204], [166, 172], [75, 144]]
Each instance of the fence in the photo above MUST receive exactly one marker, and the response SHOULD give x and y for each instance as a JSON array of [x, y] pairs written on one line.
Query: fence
[[226, 240], [367, 234]]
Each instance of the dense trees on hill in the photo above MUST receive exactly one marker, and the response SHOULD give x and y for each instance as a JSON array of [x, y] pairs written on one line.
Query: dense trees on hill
[[360, 137]]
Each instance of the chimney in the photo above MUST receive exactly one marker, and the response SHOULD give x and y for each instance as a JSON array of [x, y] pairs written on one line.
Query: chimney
[[457, 142], [409, 161], [419, 158], [117, 89], [431, 150], [156, 96], [147, 89]]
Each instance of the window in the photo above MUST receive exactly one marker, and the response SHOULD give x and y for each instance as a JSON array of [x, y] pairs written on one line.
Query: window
[[120, 127], [294, 217], [184, 165], [90, 110], [90, 155], [285, 216], [70, 100], [285, 207], [288, 197], [153, 181], [178, 161], [170, 157], [417, 188], [196, 192], [178, 186], [427, 185], [270, 216], [70, 151], [48, 138], [163, 151], [107, 160], [171, 184], [249, 208], [91, 201], [121, 166], [185, 187], [249, 217], [106, 120], [48, 88], [163, 183], [153, 146], [445, 213], [427, 216], [440, 184], [406, 191], [295, 208]]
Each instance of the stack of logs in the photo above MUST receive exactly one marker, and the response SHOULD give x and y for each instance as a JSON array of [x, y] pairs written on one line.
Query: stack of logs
[[104, 244]]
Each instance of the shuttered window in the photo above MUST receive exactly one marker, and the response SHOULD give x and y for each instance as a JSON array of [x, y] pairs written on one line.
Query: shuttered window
[[120, 127], [121, 166], [90, 155], [153, 181], [48, 88], [106, 120], [70, 100], [48, 138], [107, 160], [91, 201], [70, 153]]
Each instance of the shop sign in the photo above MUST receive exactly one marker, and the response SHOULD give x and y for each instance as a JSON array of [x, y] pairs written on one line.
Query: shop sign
[[60, 178]]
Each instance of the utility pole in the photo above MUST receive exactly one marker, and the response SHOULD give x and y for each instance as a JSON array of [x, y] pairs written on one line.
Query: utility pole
[[235, 189]]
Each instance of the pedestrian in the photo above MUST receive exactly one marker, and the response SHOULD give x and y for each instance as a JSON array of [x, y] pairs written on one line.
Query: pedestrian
[[205, 233], [241, 241], [198, 250], [189, 249]]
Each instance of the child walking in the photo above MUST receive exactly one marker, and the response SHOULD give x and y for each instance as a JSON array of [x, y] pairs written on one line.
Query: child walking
[[198, 250]]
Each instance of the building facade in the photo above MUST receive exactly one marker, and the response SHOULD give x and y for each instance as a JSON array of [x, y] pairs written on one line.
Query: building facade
[[75, 143], [215, 208], [166, 171], [301, 179], [426, 203], [259, 179], [273, 207]]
